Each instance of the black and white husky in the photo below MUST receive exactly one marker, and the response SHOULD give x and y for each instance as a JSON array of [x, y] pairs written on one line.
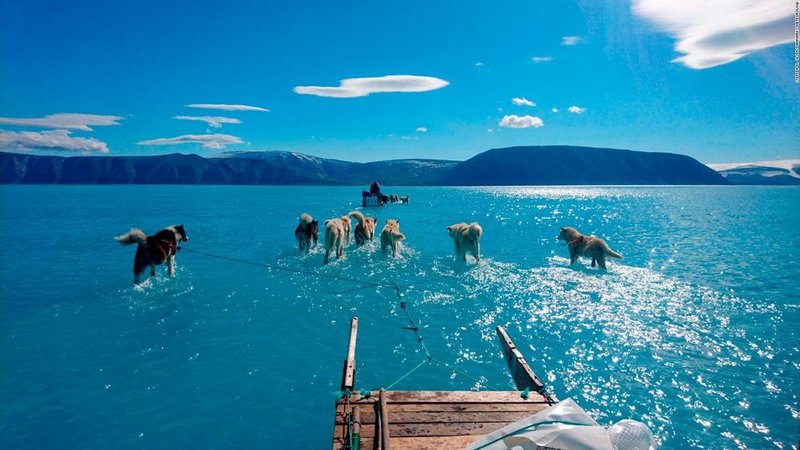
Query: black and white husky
[[154, 250]]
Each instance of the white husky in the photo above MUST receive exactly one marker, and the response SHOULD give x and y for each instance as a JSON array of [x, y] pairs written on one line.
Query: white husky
[[467, 239]]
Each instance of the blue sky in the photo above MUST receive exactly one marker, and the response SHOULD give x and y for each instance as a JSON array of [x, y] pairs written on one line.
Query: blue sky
[[126, 70]]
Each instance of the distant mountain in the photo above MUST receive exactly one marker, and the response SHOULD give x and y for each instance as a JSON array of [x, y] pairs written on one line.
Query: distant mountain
[[564, 165], [785, 172], [555, 165], [398, 172]]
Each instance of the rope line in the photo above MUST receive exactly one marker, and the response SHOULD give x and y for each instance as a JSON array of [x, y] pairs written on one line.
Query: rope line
[[425, 361], [364, 285], [289, 269], [346, 291], [428, 356], [464, 374]]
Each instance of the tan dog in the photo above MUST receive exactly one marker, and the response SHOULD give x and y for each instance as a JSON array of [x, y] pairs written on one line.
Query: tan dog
[[467, 239], [346, 226], [365, 228], [587, 246], [334, 238], [391, 236], [307, 232]]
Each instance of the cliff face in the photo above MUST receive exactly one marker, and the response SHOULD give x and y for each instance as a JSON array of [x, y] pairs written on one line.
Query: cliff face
[[564, 165], [549, 165]]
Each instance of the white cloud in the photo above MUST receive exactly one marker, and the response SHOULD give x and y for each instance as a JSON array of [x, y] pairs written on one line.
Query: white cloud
[[576, 109], [224, 107], [422, 130], [514, 121], [213, 122], [65, 121], [360, 87], [541, 59], [714, 32], [479, 64], [49, 140], [213, 141], [522, 101], [571, 40], [555, 110]]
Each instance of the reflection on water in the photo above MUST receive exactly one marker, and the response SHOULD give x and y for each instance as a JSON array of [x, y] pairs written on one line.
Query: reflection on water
[[694, 332]]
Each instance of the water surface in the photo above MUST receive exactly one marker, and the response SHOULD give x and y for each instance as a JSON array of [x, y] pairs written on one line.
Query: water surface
[[694, 332]]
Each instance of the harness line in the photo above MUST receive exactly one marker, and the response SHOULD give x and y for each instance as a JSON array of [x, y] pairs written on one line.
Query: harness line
[[288, 269], [365, 284]]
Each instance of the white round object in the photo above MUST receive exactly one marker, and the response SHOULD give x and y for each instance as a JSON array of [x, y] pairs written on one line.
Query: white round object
[[631, 435]]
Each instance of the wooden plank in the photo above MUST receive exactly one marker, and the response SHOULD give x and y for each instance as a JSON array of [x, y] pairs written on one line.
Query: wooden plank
[[521, 372], [398, 430], [452, 417], [458, 407], [385, 431], [339, 431], [367, 443], [349, 371], [433, 442], [466, 407], [461, 397]]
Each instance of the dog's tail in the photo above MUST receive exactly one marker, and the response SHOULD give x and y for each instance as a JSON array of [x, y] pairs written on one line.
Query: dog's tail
[[135, 236], [610, 252], [305, 219], [474, 231], [358, 216]]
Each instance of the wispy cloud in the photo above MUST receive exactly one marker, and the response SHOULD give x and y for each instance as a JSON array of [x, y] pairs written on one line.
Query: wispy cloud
[[224, 107], [360, 87], [541, 59], [514, 121], [571, 40], [522, 101], [715, 32], [213, 141], [64, 121], [555, 110], [576, 109], [479, 64], [58, 140], [422, 130], [213, 122]]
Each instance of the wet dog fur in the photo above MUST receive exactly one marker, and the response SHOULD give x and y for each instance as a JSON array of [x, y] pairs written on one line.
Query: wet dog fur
[[391, 236], [334, 238], [346, 226], [154, 250], [307, 233], [466, 239], [586, 246], [365, 228]]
